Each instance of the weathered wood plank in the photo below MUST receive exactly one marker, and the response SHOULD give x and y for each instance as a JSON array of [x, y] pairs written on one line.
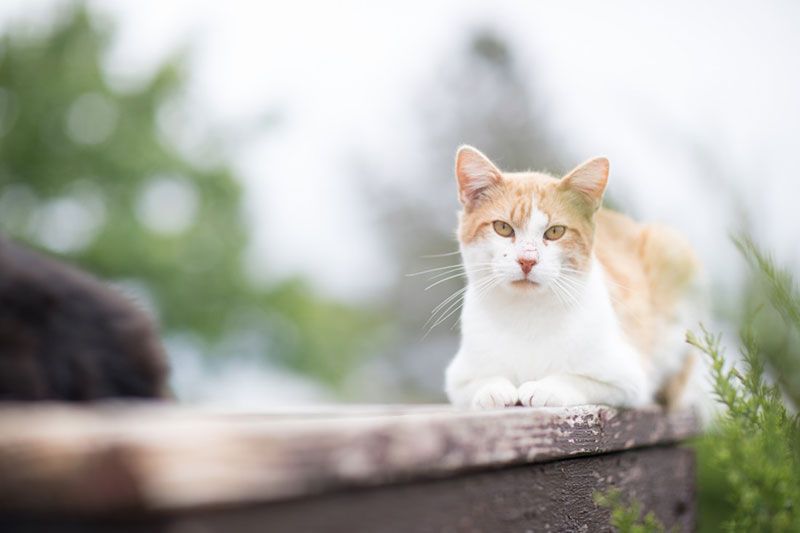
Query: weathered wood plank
[[553, 496], [113, 459]]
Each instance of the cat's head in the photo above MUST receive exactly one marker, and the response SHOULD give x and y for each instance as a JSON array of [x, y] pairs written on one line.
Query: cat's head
[[526, 230]]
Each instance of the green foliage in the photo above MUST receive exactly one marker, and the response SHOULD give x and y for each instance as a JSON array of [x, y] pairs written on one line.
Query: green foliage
[[713, 504], [626, 517], [756, 444], [193, 274], [75, 150], [780, 289]]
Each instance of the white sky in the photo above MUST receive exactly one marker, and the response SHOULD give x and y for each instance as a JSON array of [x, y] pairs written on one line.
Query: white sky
[[344, 75]]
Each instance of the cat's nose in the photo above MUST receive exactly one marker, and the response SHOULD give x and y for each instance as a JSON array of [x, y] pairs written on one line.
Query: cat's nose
[[526, 264]]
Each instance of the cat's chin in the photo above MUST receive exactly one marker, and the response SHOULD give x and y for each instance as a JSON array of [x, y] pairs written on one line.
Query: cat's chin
[[525, 284]]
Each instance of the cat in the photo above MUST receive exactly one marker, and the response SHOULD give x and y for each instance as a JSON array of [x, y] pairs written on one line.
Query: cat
[[567, 303], [65, 336]]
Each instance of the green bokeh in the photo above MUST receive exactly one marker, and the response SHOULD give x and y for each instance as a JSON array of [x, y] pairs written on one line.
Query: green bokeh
[[195, 277]]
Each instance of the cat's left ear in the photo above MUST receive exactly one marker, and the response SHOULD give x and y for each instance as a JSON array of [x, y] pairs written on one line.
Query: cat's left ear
[[589, 180], [475, 174]]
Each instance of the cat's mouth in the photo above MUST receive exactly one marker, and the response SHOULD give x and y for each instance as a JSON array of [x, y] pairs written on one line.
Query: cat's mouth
[[525, 283]]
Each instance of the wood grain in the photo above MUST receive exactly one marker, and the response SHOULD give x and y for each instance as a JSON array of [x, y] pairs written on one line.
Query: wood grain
[[552, 496], [118, 459]]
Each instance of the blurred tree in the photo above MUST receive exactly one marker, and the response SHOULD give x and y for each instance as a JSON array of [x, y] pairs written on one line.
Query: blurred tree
[[91, 173]]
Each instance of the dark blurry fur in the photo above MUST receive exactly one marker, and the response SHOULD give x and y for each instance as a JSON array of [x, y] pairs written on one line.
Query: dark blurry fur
[[67, 336]]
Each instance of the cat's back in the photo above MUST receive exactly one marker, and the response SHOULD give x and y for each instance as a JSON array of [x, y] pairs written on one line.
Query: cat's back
[[649, 270]]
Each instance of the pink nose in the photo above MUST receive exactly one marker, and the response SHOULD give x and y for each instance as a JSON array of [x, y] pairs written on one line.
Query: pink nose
[[526, 264]]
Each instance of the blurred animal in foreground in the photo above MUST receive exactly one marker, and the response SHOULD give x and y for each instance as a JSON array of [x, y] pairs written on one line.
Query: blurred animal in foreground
[[66, 336]]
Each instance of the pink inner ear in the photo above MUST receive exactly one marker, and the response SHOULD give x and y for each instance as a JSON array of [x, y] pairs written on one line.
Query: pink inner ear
[[475, 173], [589, 178]]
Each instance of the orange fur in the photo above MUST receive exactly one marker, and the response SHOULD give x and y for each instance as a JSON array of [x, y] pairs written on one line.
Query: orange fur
[[649, 268]]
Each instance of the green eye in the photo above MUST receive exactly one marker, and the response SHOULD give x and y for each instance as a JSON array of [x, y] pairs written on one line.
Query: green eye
[[503, 228], [554, 233]]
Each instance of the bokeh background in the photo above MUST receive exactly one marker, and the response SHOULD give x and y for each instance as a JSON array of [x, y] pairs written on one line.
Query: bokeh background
[[263, 177]]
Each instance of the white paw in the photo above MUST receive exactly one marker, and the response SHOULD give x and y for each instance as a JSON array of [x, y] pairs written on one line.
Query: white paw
[[496, 394], [550, 392]]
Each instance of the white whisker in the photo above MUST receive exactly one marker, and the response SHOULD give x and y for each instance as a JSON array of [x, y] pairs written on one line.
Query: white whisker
[[464, 271], [456, 275], [494, 282], [455, 305], [569, 291], [573, 283], [445, 268], [447, 273], [446, 254], [459, 265], [557, 292], [448, 278], [444, 308], [560, 293], [447, 300]]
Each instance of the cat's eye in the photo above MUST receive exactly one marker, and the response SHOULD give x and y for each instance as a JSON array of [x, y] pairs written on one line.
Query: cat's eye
[[503, 229], [554, 233]]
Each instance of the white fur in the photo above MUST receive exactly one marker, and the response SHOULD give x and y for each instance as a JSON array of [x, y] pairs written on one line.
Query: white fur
[[534, 345]]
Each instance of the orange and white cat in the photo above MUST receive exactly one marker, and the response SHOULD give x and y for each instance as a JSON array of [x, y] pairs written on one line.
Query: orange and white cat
[[566, 303]]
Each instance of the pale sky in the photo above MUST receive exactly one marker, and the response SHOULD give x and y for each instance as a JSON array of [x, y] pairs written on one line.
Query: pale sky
[[343, 77]]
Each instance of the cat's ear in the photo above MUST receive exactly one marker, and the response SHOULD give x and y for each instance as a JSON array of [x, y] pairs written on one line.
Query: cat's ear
[[588, 180], [475, 173]]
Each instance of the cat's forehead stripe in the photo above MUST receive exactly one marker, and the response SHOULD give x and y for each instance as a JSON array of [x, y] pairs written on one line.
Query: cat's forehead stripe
[[539, 218], [521, 210], [526, 212]]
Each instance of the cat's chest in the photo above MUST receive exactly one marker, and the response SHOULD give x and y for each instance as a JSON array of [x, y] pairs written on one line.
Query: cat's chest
[[534, 341], [529, 344], [539, 345]]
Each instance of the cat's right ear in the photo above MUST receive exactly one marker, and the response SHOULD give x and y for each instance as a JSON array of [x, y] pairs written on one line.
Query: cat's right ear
[[475, 174]]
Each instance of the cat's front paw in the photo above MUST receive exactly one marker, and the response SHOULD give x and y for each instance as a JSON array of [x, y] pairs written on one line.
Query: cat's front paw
[[550, 392], [496, 394]]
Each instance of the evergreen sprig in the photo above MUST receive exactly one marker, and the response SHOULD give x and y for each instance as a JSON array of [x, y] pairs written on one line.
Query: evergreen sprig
[[755, 444], [626, 516]]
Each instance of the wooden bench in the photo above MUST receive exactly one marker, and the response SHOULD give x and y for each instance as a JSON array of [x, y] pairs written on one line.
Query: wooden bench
[[400, 469]]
